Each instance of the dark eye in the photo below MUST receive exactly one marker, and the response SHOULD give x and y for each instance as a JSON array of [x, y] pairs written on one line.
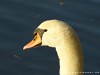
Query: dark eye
[[45, 30], [35, 36]]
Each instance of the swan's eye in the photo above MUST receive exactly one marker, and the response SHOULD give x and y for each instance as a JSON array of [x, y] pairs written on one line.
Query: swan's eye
[[45, 30], [40, 32], [35, 36]]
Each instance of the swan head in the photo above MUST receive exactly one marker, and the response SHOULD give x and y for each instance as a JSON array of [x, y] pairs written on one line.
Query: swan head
[[48, 33]]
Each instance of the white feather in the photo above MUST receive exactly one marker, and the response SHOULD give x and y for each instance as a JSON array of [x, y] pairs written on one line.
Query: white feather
[[61, 36]]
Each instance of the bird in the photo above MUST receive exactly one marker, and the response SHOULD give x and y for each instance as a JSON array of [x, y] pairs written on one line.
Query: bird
[[61, 36]]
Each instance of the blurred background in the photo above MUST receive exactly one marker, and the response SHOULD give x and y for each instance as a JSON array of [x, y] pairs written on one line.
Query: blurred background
[[19, 18]]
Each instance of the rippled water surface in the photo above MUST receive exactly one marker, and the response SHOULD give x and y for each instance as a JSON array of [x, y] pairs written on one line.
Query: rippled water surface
[[18, 19]]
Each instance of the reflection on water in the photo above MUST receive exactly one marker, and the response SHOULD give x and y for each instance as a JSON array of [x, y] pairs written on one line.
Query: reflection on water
[[19, 18]]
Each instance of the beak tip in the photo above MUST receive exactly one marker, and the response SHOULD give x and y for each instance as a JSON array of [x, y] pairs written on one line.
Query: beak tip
[[24, 47]]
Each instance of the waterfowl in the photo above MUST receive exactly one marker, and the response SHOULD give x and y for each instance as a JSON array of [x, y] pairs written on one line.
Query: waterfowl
[[61, 36]]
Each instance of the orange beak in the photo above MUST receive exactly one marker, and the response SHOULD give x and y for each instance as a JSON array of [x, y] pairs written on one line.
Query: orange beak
[[34, 43]]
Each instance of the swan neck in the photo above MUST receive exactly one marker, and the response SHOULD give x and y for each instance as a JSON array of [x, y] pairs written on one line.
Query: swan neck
[[70, 60]]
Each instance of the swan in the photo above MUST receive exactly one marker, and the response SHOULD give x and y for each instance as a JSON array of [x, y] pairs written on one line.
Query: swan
[[61, 36]]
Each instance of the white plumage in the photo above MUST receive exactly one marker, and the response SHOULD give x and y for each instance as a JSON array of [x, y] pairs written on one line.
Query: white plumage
[[61, 36]]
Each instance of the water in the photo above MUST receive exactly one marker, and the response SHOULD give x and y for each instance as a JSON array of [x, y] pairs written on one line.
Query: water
[[18, 19]]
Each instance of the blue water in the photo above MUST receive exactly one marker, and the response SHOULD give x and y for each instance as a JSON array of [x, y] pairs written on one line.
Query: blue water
[[18, 19]]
